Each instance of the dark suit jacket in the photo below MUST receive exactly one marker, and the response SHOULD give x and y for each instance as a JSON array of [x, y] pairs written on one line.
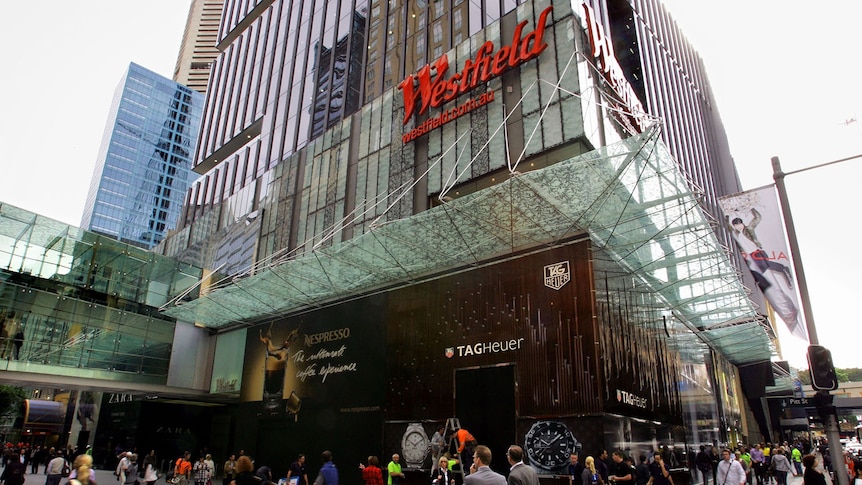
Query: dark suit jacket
[[523, 474], [484, 476]]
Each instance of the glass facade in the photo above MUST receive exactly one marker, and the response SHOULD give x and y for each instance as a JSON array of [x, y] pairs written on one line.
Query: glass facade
[[144, 164], [85, 305]]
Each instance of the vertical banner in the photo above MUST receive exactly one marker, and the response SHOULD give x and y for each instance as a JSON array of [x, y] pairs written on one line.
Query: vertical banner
[[754, 220]]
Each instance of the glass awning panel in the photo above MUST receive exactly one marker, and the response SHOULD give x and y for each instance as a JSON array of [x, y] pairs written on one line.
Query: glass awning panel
[[630, 197]]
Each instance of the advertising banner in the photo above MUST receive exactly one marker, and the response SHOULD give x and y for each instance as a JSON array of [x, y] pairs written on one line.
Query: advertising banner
[[754, 220]]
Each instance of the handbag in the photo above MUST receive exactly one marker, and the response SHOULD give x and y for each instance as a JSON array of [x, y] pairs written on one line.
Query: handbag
[[66, 470]]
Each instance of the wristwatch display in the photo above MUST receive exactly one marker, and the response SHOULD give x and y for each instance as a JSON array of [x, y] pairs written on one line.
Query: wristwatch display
[[414, 445], [549, 443]]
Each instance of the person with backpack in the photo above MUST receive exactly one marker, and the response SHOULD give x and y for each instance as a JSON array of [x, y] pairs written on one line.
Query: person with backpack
[[56, 469], [183, 469], [590, 475]]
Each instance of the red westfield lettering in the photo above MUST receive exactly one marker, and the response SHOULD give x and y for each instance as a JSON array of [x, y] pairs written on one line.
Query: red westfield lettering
[[486, 65]]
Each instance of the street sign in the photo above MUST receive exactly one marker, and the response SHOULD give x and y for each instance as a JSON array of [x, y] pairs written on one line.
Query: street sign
[[797, 402]]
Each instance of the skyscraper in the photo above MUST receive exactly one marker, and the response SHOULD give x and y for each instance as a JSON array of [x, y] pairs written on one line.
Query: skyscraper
[[198, 50], [144, 163]]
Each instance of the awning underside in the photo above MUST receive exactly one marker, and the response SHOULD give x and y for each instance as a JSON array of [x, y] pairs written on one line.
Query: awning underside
[[631, 199]]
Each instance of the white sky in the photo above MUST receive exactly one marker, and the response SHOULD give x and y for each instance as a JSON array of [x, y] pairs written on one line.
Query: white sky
[[785, 75]]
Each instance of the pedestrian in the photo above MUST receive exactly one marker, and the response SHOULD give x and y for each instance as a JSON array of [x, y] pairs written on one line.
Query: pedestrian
[[602, 466], [83, 462], [297, 469], [480, 471], [244, 472], [780, 466], [150, 473], [183, 468], [18, 341], [519, 473], [812, 476], [441, 474], [13, 473], [621, 473], [591, 475], [703, 462], [202, 472], [796, 458], [328, 474], [659, 474], [132, 477], [757, 464], [55, 468], [642, 471], [371, 473], [729, 471], [575, 469], [211, 465], [393, 470], [85, 475], [230, 470], [123, 466]]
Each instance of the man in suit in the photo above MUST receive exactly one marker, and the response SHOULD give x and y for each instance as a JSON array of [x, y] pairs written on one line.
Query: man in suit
[[480, 472], [519, 473]]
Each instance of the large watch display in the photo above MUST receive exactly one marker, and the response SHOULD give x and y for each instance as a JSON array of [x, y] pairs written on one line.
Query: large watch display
[[549, 443], [414, 445]]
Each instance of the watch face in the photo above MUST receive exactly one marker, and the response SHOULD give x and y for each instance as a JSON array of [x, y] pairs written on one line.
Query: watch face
[[549, 444], [414, 445]]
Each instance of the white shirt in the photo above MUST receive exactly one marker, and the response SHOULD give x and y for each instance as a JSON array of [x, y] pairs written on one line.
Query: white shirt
[[730, 472]]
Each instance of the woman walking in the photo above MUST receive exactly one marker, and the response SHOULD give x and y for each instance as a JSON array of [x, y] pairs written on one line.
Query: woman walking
[[780, 466]]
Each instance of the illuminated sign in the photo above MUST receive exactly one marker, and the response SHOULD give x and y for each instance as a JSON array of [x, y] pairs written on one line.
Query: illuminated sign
[[603, 51], [421, 89], [484, 348], [631, 399]]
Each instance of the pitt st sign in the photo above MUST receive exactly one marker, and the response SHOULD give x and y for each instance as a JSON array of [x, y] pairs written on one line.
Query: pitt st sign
[[421, 90]]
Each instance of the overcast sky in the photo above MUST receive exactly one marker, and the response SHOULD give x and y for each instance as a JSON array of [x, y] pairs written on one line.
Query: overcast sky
[[785, 74]]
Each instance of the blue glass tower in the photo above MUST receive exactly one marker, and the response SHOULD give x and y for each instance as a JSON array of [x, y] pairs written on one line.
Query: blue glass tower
[[144, 164]]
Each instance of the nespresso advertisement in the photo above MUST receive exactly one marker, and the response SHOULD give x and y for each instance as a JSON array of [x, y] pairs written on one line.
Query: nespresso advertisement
[[332, 356]]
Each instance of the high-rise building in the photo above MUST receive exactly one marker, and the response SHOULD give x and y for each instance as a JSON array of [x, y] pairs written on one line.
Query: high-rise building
[[198, 49], [494, 210], [144, 164]]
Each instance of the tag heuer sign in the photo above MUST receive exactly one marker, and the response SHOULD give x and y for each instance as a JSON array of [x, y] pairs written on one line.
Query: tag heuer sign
[[557, 275]]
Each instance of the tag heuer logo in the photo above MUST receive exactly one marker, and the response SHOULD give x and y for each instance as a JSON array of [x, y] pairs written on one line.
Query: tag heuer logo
[[450, 352], [557, 275]]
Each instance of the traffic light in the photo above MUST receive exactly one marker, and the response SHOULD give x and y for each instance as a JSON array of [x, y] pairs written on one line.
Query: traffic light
[[821, 368]]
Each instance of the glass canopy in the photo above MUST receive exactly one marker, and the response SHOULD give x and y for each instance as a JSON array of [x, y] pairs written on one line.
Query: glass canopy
[[629, 197]]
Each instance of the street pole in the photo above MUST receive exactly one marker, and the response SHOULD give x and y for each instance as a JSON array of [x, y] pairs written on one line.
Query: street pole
[[824, 407]]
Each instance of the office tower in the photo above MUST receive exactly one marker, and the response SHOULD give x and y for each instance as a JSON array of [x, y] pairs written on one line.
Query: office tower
[[198, 49], [143, 167]]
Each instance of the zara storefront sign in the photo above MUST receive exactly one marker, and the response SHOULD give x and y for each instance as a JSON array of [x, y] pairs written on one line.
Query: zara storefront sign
[[420, 89], [603, 51]]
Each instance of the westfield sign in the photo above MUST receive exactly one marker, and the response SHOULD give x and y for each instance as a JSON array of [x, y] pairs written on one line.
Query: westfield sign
[[421, 90]]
